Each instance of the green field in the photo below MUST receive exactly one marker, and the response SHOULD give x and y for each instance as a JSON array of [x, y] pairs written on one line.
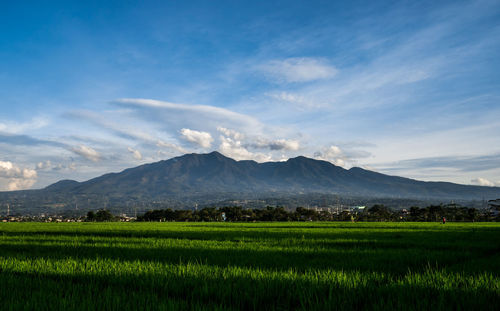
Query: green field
[[258, 266]]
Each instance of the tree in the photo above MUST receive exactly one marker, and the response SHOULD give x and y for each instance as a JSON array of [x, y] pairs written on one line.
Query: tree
[[209, 214], [305, 214], [416, 213], [104, 215], [472, 214], [90, 216], [380, 212], [435, 212], [183, 215], [233, 213]]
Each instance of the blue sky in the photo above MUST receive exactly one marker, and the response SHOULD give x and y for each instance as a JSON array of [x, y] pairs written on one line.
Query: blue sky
[[404, 88]]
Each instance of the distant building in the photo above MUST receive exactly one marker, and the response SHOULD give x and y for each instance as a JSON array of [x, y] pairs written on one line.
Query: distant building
[[358, 209], [494, 204]]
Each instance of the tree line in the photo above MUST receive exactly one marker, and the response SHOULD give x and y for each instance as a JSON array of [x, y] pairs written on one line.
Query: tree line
[[451, 212]]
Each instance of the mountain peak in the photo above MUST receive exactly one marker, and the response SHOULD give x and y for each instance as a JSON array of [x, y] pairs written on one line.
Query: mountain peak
[[305, 160], [213, 154], [217, 154], [299, 159]]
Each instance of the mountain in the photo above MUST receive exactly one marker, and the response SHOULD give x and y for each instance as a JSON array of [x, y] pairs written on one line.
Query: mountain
[[208, 174]]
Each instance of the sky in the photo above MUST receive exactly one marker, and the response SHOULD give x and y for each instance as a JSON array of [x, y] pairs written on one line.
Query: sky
[[407, 88]]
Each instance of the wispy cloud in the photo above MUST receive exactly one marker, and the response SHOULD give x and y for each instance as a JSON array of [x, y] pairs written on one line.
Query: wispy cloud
[[174, 147], [26, 140], [49, 165], [298, 69], [135, 153], [21, 127], [459, 163], [182, 115], [87, 152], [295, 99], [142, 132], [122, 130]]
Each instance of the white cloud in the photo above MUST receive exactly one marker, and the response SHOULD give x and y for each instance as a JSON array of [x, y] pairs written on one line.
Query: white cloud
[[234, 149], [87, 152], [17, 178], [260, 142], [8, 169], [202, 139], [20, 184], [331, 154], [231, 133], [341, 156], [299, 69], [484, 182], [44, 165], [135, 153]]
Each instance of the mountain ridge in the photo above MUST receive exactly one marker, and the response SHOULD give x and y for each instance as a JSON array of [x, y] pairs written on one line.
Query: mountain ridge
[[197, 174]]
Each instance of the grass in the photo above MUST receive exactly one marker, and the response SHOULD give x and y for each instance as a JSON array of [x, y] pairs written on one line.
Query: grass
[[239, 266]]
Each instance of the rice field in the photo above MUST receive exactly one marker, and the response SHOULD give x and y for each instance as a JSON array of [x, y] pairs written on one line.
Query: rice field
[[249, 266]]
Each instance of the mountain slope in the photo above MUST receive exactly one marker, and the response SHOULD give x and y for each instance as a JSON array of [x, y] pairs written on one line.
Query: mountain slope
[[200, 174]]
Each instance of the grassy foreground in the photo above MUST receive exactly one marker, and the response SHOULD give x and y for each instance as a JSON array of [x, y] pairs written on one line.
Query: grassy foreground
[[259, 266]]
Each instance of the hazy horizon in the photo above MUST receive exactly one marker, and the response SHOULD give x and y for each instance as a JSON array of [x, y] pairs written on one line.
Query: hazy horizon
[[401, 88]]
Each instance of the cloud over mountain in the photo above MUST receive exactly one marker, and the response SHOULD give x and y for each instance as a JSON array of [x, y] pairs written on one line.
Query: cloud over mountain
[[203, 139], [17, 178], [278, 144], [484, 182], [234, 148]]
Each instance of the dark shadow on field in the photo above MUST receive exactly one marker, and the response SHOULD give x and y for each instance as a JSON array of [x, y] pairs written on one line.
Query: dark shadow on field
[[427, 241], [476, 240], [129, 292], [300, 225], [422, 235], [393, 252], [401, 226], [389, 261]]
